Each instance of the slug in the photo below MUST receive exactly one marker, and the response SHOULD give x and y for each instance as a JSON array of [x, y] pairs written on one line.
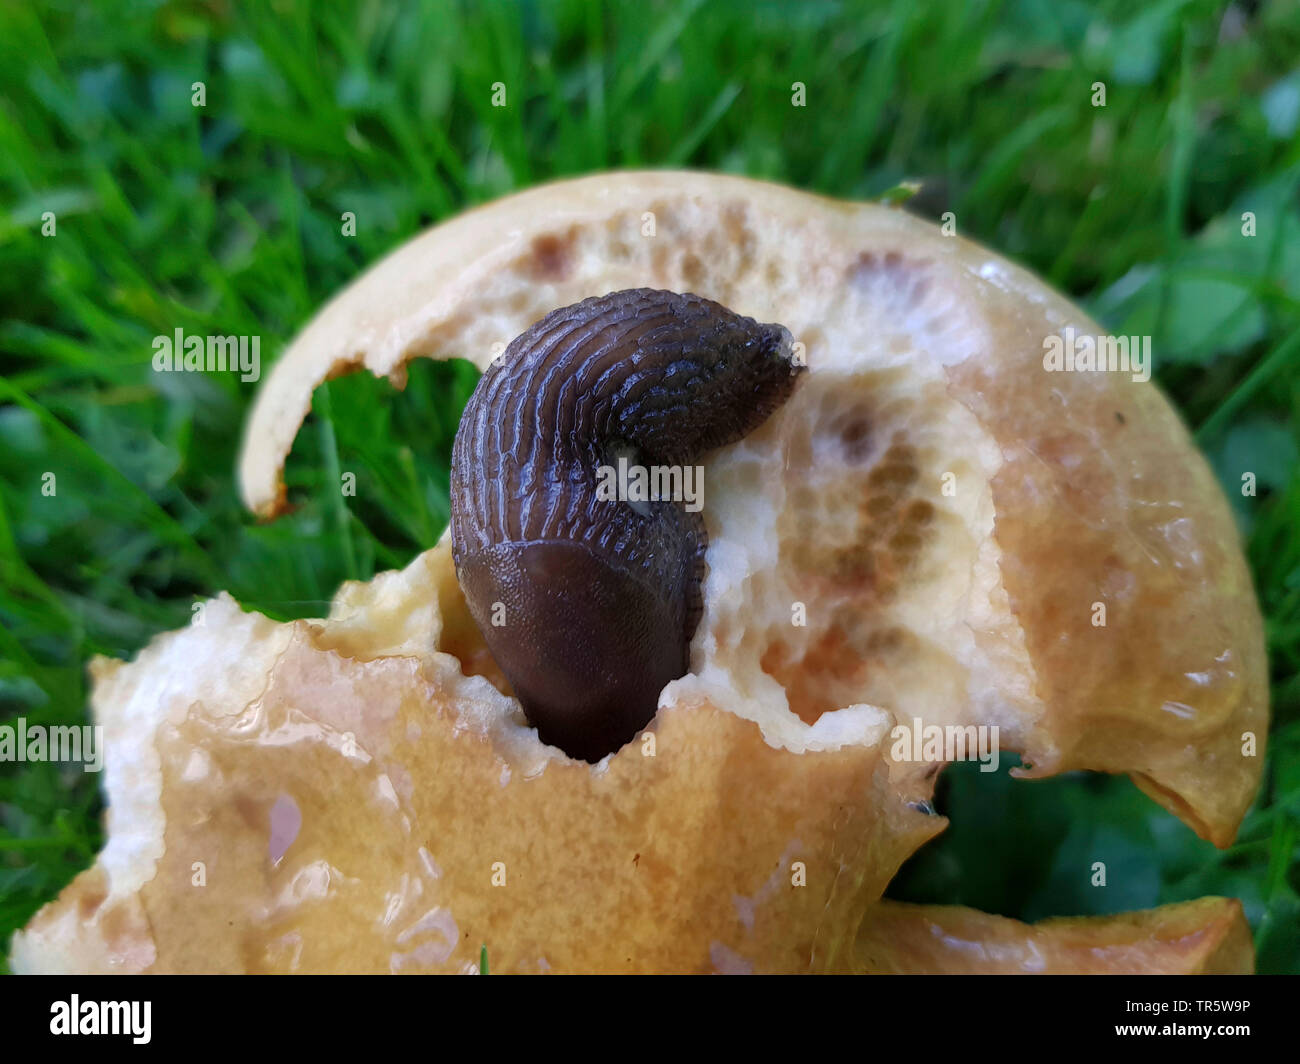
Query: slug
[[588, 603]]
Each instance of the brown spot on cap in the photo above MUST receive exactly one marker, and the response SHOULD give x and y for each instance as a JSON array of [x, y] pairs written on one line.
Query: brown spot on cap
[[552, 256]]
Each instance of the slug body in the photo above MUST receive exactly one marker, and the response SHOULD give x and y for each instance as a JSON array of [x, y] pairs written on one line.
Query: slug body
[[588, 603]]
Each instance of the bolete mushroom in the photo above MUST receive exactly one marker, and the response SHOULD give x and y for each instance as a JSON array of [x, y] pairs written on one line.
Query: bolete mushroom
[[921, 532]]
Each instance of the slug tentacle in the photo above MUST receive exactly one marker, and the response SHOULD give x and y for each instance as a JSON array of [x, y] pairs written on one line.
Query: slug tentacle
[[589, 603]]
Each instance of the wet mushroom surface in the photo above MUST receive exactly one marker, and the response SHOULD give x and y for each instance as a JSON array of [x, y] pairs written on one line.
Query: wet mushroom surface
[[915, 536]]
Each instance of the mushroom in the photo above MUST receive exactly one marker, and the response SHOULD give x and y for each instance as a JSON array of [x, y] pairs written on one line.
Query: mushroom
[[921, 533]]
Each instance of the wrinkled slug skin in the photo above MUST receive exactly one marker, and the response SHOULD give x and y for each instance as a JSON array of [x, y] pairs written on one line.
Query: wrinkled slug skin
[[588, 604]]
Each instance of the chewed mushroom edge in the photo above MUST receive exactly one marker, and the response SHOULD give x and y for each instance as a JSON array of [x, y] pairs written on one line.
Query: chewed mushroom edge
[[913, 537]]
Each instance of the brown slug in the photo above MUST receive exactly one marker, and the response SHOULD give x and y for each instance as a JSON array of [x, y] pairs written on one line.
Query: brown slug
[[588, 603]]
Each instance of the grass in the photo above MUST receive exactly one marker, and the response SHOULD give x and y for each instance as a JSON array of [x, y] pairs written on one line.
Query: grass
[[226, 219]]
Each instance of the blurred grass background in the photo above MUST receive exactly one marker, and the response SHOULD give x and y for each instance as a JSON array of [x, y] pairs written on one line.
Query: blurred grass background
[[225, 219]]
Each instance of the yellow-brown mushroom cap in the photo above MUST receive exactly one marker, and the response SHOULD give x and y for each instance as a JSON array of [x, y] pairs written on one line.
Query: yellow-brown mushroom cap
[[925, 353], [922, 533]]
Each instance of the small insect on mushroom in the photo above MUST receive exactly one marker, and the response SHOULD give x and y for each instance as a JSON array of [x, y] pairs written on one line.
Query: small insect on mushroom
[[588, 603]]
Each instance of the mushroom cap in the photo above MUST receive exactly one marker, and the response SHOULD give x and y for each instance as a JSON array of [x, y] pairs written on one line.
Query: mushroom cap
[[922, 534], [1208, 936]]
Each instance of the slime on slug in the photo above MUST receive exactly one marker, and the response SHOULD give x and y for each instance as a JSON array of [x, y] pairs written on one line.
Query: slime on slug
[[589, 603]]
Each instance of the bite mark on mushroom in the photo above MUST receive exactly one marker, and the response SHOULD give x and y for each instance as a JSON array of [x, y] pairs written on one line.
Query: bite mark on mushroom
[[589, 604]]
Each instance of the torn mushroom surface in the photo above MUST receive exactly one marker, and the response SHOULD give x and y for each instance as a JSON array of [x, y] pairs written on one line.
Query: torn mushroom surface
[[1208, 936], [878, 551], [424, 817], [950, 478], [411, 786]]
